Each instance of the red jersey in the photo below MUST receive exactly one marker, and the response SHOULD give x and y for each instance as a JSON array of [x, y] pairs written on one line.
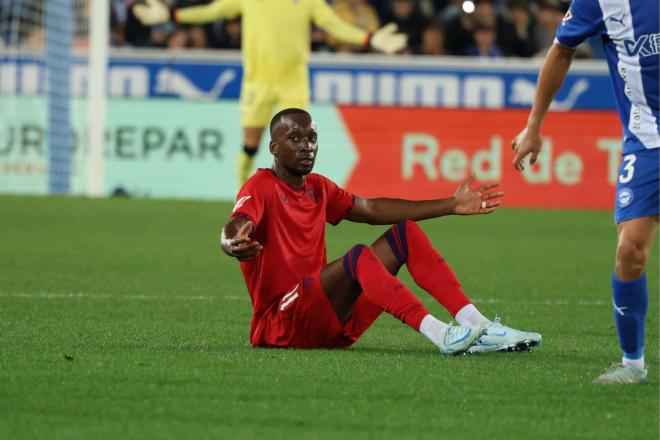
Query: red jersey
[[290, 225]]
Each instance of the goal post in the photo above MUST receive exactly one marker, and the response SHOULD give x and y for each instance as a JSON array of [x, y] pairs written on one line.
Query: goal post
[[58, 58], [99, 19]]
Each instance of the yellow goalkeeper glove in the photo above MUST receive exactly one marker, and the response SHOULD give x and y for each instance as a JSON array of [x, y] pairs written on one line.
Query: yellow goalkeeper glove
[[152, 12], [387, 40]]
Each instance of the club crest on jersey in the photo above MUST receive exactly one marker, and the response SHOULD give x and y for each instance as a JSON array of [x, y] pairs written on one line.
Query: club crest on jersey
[[624, 197], [240, 202]]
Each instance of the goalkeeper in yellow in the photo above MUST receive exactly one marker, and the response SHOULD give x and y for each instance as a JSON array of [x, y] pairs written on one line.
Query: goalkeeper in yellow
[[276, 46]]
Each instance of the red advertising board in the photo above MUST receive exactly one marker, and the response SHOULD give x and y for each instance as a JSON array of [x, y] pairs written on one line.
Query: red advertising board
[[424, 153]]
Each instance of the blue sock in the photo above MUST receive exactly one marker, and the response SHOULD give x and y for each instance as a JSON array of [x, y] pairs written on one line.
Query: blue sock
[[630, 304]]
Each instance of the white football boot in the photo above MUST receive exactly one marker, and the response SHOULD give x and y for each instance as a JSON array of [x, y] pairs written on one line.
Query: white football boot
[[623, 374], [499, 337], [459, 338]]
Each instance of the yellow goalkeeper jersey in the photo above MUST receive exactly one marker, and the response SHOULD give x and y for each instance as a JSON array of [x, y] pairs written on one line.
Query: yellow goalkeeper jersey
[[275, 33]]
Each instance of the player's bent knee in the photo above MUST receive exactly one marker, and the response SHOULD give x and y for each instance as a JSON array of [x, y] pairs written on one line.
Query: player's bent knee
[[359, 248], [631, 257], [397, 238], [409, 223], [351, 258], [413, 230]]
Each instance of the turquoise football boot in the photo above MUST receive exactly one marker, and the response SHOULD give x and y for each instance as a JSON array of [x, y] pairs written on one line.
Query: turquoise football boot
[[459, 338], [499, 337]]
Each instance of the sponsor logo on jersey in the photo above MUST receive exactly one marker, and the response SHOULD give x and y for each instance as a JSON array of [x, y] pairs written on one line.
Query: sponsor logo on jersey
[[612, 18], [624, 197], [240, 202], [644, 46]]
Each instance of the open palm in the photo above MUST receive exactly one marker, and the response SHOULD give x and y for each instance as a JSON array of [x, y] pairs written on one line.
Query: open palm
[[476, 201]]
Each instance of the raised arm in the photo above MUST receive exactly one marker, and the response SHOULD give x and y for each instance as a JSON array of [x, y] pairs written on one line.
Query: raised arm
[[210, 12], [384, 39], [153, 12], [551, 77], [465, 201], [235, 239]]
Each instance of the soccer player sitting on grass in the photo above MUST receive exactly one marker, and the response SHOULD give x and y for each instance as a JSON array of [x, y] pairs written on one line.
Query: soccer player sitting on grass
[[277, 231]]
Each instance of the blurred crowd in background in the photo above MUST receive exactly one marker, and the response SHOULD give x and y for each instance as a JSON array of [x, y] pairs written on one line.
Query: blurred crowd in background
[[486, 28], [483, 28]]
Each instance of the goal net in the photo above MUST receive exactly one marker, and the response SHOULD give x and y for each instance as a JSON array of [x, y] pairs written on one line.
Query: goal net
[[52, 101]]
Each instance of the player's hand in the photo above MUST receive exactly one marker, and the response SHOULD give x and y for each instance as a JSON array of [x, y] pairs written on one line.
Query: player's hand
[[387, 40], [242, 247], [151, 12], [528, 141], [476, 201]]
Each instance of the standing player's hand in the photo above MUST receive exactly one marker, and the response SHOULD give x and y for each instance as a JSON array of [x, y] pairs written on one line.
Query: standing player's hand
[[242, 247], [151, 12], [387, 40], [528, 141], [476, 201]]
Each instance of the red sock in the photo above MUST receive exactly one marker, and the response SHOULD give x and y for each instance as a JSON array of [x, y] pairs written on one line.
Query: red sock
[[382, 288], [429, 270]]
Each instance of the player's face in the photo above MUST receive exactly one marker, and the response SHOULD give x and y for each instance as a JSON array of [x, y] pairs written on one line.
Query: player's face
[[296, 144]]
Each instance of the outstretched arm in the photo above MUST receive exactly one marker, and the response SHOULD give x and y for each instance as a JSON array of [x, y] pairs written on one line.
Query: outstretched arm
[[384, 39], [551, 77], [235, 239], [465, 201], [153, 12], [210, 12]]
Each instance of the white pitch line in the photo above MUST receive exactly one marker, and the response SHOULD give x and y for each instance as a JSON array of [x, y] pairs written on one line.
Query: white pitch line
[[245, 297], [547, 302]]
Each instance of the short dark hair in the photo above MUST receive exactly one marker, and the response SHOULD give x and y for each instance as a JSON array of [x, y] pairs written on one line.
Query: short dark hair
[[287, 111]]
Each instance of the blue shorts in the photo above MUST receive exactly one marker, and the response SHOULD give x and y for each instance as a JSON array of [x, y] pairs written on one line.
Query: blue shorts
[[638, 186]]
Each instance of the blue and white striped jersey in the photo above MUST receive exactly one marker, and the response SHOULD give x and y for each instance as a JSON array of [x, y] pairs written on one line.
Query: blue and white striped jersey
[[630, 31]]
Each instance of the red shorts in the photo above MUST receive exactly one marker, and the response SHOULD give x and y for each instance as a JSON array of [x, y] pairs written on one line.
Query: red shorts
[[304, 318]]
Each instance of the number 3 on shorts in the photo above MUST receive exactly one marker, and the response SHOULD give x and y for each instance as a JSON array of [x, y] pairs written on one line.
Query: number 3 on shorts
[[628, 167]]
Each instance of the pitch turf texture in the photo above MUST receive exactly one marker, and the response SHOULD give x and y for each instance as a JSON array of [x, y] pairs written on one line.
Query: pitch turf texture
[[122, 319]]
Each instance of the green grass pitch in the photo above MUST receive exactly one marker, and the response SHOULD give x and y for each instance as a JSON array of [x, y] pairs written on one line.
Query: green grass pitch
[[122, 319]]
